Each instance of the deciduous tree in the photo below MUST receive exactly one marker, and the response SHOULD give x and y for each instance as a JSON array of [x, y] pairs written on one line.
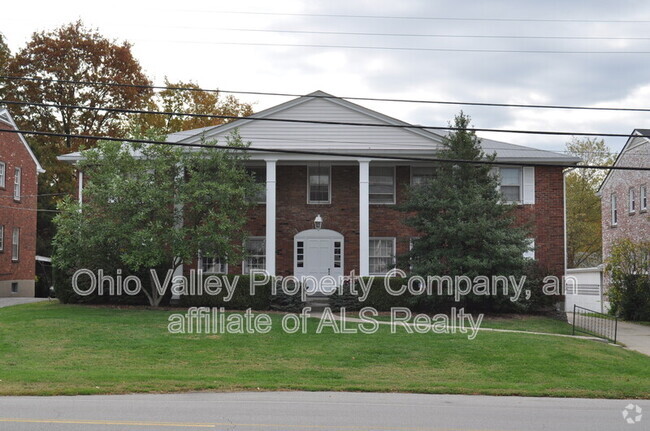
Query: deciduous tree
[[154, 207], [584, 240], [195, 101], [77, 53]]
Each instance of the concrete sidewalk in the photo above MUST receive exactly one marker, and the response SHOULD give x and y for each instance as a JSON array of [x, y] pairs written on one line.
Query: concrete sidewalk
[[633, 335], [8, 302]]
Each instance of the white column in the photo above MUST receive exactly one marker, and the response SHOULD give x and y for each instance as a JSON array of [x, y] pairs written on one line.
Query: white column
[[80, 179], [364, 217], [270, 216]]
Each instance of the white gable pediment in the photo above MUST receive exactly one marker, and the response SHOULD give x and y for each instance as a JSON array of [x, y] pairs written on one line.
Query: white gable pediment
[[318, 136]]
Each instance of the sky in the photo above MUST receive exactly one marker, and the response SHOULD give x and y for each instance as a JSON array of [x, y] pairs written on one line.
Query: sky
[[407, 49]]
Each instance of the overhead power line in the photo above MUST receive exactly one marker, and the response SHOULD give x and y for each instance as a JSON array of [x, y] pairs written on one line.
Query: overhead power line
[[281, 94], [406, 48], [320, 153], [321, 122], [421, 18], [418, 35]]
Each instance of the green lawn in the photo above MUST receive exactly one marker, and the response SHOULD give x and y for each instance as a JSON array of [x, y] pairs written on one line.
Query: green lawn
[[516, 322], [47, 349]]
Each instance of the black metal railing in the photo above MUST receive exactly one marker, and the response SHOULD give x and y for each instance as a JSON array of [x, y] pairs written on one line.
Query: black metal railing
[[594, 323]]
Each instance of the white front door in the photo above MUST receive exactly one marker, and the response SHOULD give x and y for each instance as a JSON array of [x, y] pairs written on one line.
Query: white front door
[[318, 253]]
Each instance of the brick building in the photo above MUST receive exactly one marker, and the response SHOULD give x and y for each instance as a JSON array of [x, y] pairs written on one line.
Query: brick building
[[353, 198], [19, 171], [624, 194]]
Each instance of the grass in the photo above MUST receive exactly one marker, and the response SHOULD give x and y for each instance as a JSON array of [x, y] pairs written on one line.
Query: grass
[[518, 322], [49, 349]]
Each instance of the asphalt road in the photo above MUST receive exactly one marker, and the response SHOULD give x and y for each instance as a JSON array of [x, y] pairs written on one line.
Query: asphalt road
[[315, 411]]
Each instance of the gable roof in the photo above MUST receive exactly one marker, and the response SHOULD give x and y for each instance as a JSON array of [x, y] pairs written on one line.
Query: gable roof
[[6, 117], [636, 134], [365, 139], [321, 106]]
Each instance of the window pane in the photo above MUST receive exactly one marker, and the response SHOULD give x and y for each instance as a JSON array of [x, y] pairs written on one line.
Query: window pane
[[319, 181], [381, 255], [421, 174], [510, 176], [382, 184], [510, 193], [259, 174]]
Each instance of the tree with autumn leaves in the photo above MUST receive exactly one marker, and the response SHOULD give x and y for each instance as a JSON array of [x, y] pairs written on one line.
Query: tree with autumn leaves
[[75, 52]]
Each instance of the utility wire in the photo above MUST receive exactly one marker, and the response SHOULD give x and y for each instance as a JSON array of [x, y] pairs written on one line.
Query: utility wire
[[420, 18], [402, 48], [321, 153], [280, 94], [422, 35], [321, 122]]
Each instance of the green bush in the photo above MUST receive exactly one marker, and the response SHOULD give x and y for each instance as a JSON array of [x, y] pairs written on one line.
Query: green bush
[[242, 298], [629, 289], [64, 291]]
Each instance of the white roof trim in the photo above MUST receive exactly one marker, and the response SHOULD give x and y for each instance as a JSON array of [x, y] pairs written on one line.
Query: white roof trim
[[635, 134], [7, 118]]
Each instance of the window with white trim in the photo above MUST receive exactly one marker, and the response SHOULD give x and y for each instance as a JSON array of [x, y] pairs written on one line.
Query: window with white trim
[[421, 174], [614, 210], [643, 198], [259, 175], [631, 201], [382, 255], [510, 183], [338, 254], [15, 244], [2, 237], [17, 183], [255, 249], [213, 265], [300, 254], [382, 185], [318, 184], [530, 253], [3, 175]]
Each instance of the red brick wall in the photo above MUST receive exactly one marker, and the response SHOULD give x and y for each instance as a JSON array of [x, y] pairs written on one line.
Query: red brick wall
[[18, 214], [634, 226], [342, 215]]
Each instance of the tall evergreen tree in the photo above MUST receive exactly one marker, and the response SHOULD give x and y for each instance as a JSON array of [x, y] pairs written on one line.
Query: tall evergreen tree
[[465, 228]]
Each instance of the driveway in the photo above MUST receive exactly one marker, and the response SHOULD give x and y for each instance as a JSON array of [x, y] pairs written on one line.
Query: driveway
[[8, 302], [633, 335]]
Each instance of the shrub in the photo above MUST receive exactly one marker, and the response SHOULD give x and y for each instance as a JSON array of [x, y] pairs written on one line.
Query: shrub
[[629, 289], [242, 297]]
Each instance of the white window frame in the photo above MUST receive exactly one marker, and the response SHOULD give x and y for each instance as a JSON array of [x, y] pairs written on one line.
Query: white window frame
[[15, 244], [261, 197], [245, 263], [530, 253], [18, 173], [520, 185], [2, 238], [631, 200], [413, 168], [223, 265], [3, 175], [329, 185], [643, 198], [394, 194], [371, 256], [614, 210]]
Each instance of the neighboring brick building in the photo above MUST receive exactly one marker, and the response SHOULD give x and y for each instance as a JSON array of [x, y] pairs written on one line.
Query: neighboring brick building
[[356, 196], [624, 194], [19, 171]]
